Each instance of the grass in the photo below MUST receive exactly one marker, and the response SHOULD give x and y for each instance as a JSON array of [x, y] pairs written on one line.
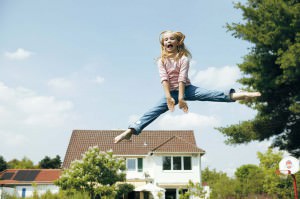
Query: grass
[[49, 195]]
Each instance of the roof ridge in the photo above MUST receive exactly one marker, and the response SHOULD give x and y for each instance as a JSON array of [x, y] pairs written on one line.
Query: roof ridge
[[171, 138]]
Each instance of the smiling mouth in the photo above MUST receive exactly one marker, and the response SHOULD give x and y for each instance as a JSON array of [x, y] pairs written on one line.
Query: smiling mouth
[[170, 46]]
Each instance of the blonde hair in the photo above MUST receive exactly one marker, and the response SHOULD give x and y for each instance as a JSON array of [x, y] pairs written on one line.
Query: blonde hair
[[181, 49]]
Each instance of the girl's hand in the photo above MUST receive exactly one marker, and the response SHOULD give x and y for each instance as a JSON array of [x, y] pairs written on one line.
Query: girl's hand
[[183, 105], [171, 103]]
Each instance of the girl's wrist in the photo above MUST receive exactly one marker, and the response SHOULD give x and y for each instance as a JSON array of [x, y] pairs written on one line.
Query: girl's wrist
[[180, 98]]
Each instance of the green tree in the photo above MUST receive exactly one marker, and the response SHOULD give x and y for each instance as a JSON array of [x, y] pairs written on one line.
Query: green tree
[[249, 180], [220, 184], [48, 163], [194, 190], [96, 173], [3, 164], [272, 183], [25, 163], [272, 67], [124, 189]]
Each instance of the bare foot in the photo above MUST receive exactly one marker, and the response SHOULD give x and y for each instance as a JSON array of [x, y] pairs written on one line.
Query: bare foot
[[125, 135], [244, 95]]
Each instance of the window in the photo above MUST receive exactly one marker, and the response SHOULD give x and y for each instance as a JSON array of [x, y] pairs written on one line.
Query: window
[[167, 163], [131, 164], [187, 163], [177, 163], [135, 164], [140, 164]]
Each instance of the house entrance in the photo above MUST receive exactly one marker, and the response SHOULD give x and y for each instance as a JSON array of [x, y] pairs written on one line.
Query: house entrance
[[133, 195], [170, 194], [137, 195]]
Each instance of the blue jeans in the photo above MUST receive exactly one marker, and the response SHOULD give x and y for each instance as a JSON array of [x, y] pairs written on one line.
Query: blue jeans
[[192, 93]]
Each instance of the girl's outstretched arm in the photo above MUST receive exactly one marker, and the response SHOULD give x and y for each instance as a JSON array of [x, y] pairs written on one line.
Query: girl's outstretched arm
[[170, 100], [181, 102]]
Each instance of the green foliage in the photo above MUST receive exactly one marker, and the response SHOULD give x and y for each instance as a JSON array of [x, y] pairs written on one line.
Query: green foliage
[[249, 180], [272, 183], [220, 184], [160, 194], [96, 173], [60, 195], [273, 68], [252, 181], [124, 189], [194, 189], [48, 163], [25, 163], [3, 164], [35, 194]]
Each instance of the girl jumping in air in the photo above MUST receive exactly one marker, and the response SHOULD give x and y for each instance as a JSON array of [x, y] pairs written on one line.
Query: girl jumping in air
[[173, 66]]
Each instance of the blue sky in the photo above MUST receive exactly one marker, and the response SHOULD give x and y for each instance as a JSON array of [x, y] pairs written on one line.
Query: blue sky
[[91, 65]]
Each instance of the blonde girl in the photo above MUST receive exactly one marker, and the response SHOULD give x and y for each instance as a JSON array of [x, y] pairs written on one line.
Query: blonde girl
[[173, 66]]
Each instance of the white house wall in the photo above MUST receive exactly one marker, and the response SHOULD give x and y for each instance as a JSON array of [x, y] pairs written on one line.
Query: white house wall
[[152, 165], [176, 177], [41, 189]]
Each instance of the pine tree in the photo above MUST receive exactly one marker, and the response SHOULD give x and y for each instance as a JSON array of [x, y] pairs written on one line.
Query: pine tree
[[273, 68]]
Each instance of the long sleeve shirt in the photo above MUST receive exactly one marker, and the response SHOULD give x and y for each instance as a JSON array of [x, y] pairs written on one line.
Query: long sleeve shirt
[[174, 71]]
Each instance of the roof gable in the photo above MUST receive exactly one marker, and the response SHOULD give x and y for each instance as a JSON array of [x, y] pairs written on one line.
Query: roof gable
[[140, 145]]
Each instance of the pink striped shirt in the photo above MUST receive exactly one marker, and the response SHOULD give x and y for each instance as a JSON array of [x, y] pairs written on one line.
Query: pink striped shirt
[[174, 71]]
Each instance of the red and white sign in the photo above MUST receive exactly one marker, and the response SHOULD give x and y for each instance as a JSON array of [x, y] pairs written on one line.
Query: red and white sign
[[289, 165]]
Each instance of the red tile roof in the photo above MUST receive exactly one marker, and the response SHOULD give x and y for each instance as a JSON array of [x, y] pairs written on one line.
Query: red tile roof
[[143, 144], [181, 146], [29, 176], [48, 175]]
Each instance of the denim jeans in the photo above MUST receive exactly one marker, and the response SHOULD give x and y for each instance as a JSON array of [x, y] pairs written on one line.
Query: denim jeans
[[192, 93]]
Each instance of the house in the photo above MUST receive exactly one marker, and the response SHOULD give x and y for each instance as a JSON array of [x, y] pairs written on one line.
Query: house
[[23, 182], [165, 159]]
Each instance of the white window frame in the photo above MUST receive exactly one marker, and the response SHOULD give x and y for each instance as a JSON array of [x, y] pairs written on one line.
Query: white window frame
[[182, 163], [135, 164]]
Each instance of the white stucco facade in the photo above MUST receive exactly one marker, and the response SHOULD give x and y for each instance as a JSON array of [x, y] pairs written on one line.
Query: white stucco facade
[[170, 180]]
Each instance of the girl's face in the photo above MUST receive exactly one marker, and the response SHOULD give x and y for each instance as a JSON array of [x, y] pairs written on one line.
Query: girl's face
[[170, 42]]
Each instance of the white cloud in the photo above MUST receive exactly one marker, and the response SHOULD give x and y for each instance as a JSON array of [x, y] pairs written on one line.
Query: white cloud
[[60, 83], [11, 139], [23, 108], [29, 121], [192, 71], [187, 121], [44, 110], [217, 78], [99, 80], [19, 54], [133, 118]]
